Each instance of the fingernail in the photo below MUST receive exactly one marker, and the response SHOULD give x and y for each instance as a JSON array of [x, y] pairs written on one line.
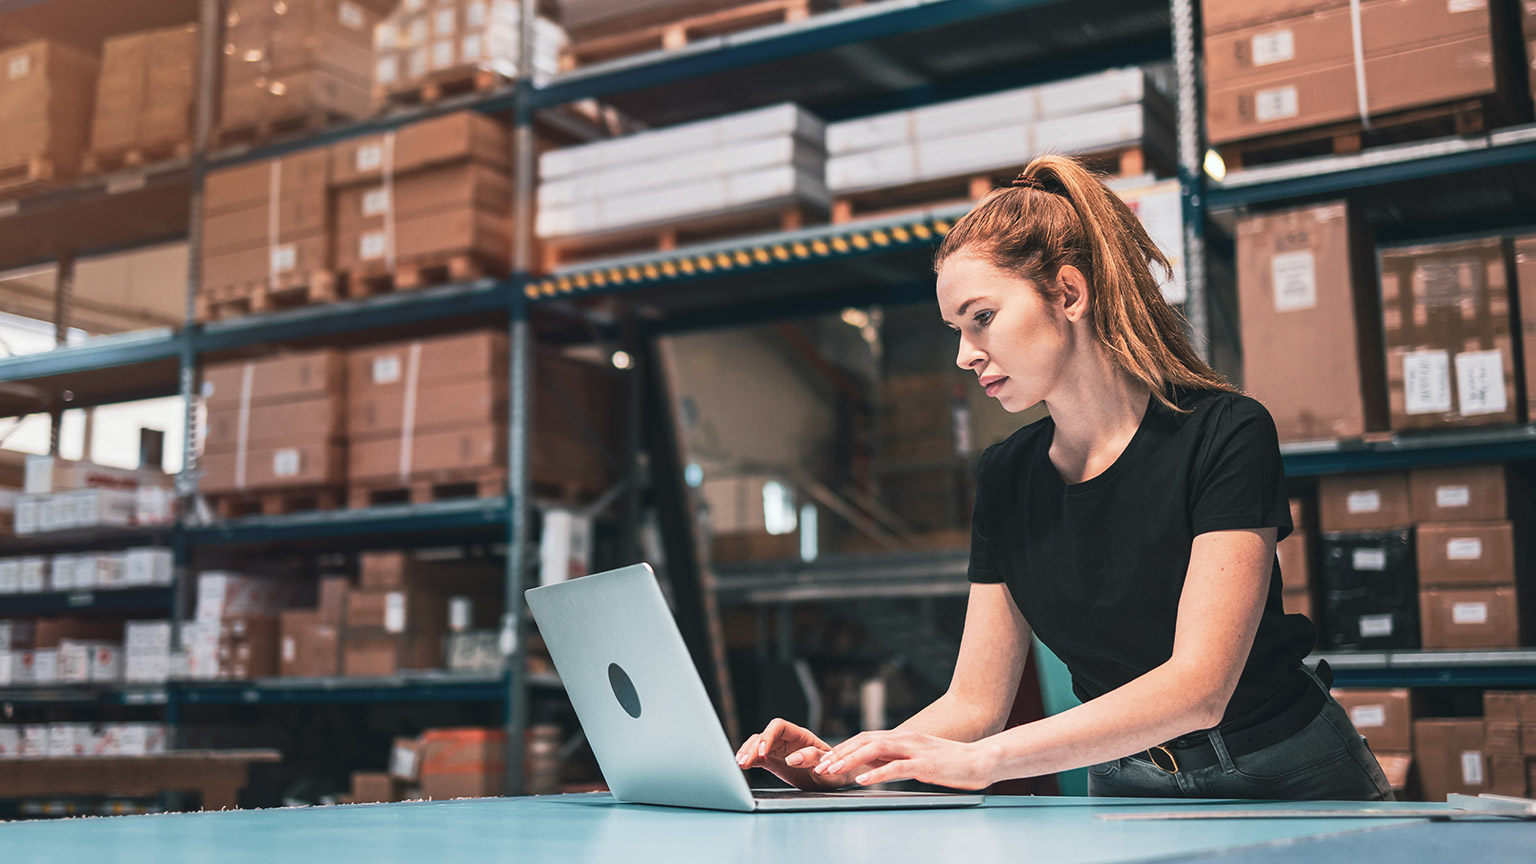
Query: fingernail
[[742, 759], [794, 759], [836, 767], [860, 779], [762, 749]]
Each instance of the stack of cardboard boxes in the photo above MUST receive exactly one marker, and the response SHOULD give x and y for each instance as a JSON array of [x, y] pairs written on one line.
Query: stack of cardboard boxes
[[1294, 553], [1385, 718], [1449, 756], [62, 495], [146, 93], [294, 60], [47, 90], [266, 225], [395, 619], [434, 189], [310, 639], [276, 423], [1295, 64], [424, 40], [1420, 559], [1509, 739], [235, 633]]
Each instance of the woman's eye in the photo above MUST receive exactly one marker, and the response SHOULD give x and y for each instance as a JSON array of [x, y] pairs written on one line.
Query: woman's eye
[[984, 318]]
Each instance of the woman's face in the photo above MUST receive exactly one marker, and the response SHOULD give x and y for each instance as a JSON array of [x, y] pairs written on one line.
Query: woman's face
[[1016, 341]]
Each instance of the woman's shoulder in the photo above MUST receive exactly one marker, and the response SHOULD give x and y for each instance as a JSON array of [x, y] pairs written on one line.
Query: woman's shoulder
[[1222, 406]]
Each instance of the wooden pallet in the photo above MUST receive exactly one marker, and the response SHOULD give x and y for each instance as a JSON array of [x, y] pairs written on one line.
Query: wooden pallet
[[441, 269], [289, 291], [672, 35], [443, 84], [108, 161], [274, 502], [428, 487], [563, 252], [35, 173], [1464, 117], [270, 128], [964, 189]]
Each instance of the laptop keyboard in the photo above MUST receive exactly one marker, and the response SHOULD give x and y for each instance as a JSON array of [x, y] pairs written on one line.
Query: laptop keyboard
[[775, 794]]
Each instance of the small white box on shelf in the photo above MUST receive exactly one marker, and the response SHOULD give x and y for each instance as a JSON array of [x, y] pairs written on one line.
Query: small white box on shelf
[[34, 740], [33, 577], [16, 668], [45, 666], [10, 741], [28, 515], [149, 566], [10, 575], [155, 505], [62, 572]]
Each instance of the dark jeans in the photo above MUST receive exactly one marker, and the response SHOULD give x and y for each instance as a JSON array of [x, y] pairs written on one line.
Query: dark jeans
[[1327, 760]]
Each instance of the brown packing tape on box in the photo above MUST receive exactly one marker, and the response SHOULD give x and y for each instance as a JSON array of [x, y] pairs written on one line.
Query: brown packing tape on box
[[1363, 502], [466, 135], [1304, 278], [1469, 617], [1384, 717], [1459, 493], [275, 467], [1448, 320], [1453, 554]]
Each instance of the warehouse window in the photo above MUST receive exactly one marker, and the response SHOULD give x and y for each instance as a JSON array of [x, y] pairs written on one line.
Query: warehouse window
[[778, 508]]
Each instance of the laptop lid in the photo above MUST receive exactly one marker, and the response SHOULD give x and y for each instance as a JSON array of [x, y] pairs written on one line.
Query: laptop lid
[[636, 691]]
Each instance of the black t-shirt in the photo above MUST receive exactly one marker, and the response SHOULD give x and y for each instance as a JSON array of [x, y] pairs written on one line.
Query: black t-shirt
[[1097, 567]]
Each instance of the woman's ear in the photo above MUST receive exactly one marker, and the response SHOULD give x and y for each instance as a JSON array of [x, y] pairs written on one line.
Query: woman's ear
[[1073, 292]]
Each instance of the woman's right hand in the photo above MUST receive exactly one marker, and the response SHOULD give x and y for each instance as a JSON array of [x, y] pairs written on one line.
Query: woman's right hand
[[790, 752]]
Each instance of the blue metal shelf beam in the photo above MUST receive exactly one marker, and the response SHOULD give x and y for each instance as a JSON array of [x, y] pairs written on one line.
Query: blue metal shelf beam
[[1507, 444], [390, 523], [405, 688], [149, 599]]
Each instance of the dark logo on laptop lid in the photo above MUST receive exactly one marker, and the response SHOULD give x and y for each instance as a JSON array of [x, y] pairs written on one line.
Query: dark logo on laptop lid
[[624, 690]]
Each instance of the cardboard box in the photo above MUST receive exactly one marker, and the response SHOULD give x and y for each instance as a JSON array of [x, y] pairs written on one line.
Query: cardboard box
[[131, 290], [309, 647], [375, 653], [463, 229], [405, 760], [462, 763], [1459, 493], [387, 368], [369, 207], [1370, 591], [1422, 75], [1220, 16], [1470, 617], [1528, 739], [283, 378], [399, 611], [375, 411], [1304, 280], [1525, 278], [281, 467], [447, 453], [372, 787], [1503, 705], [1449, 754], [467, 136], [399, 570], [265, 265], [1507, 773], [245, 103], [1501, 738], [1363, 502], [1293, 553], [1384, 717], [285, 60], [1453, 554], [146, 90], [47, 93], [1275, 49], [50, 474], [333, 601], [286, 181], [314, 419], [1449, 335]]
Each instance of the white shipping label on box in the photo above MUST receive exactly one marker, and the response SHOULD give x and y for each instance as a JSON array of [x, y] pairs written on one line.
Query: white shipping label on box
[[459, 609], [1480, 382], [1472, 767], [386, 370], [416, 62], [472, 48], [1295, 279], [372, 245], [369, 158], [376, 202], [350, 15], [1427, 382], [284, 258], [1464, 549], [394, 612], [402, 763], [388, 70], [1364, 501], [1277, 46], [287, 462], [1375, 625], [1456, 6], [290, 649], [442, 54], [10, 742], [1469, 613], [20, 67], [1279, 103], [1453, 496], [443, 22], [1370, 559], [1368, 716], [474, 16]]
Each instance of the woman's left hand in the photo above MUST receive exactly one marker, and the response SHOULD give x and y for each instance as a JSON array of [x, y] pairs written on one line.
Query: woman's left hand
[[884, 757]]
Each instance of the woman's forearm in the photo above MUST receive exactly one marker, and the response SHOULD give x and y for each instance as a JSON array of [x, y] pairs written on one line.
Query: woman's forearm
[[1163, 704], [953, 718]]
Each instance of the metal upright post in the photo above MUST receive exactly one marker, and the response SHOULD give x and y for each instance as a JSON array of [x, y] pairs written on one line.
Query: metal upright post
[[63, 305], [521, 422], [1191, 175]]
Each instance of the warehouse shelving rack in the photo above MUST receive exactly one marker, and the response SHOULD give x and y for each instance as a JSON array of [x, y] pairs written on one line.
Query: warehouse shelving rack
[[881, 56]]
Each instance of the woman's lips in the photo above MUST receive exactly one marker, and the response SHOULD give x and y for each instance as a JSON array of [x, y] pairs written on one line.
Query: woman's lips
[[993, 388]]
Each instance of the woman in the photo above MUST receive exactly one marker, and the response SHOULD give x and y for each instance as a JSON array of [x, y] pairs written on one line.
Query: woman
[[1133, 530]]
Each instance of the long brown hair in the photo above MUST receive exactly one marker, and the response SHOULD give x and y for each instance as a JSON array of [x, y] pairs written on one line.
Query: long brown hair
[[1058, 213]]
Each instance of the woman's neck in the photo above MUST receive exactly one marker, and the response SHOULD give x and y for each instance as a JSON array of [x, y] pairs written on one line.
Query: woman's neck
[[1096, 412]]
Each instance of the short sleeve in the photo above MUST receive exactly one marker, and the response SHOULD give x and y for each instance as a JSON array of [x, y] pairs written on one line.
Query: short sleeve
[[981, 569], [1240, 481]]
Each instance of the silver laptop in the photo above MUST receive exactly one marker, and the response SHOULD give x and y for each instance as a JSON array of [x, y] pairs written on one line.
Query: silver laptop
[[644, 709]]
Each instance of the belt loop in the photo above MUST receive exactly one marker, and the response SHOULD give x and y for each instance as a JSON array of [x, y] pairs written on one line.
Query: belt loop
[[1219, 744]]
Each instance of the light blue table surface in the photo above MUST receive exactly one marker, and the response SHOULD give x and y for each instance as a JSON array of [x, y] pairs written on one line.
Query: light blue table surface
[[575, 828]]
